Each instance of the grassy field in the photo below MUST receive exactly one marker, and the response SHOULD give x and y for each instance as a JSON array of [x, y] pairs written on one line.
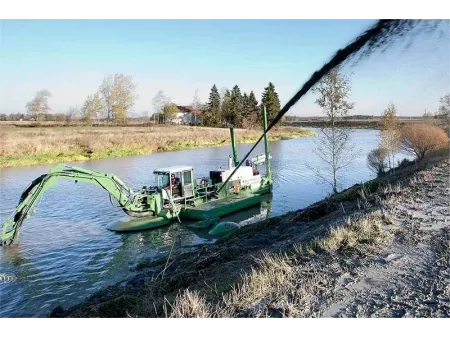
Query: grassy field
[[39, 145]]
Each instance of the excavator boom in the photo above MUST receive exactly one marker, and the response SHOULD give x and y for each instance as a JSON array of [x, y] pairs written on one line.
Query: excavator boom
[[131, 202]]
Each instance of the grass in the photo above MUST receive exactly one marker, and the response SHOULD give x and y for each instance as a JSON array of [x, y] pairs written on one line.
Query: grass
[[291, 283], [358, 232], [41, 145], [189, 305]]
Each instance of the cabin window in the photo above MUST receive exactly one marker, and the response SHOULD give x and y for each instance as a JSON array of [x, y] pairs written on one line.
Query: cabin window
[[162, 180], [187, 179]]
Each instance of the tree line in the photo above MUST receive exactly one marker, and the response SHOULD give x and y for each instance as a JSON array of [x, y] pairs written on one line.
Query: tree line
[[234, 108], [116, 96], [113, 101], [224, 109]]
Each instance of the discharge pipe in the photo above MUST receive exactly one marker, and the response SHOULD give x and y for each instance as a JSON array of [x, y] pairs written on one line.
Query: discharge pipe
[[376, 37]]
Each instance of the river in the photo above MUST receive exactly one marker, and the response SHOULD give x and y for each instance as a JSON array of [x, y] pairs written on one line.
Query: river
[[65, 253]]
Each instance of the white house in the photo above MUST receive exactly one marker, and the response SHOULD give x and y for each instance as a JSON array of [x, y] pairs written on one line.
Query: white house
[[187, 115]]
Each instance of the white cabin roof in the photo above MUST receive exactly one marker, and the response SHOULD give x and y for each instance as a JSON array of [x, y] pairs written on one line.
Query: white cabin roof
[[173, 169]]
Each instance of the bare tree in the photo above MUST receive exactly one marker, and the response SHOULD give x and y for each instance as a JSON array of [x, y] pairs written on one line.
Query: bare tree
[[333, 146], [105, 90], [39, 105], [444, 108], [196, 105], [390, 132], [159, 101], [72, 114], [93, 107]]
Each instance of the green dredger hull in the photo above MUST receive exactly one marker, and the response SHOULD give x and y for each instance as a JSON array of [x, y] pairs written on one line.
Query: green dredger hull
[[128, 223], [206, 214]]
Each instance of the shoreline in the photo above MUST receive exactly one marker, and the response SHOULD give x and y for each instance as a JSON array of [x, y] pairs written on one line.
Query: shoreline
[[57, 157], [264, 269], [364, 123]]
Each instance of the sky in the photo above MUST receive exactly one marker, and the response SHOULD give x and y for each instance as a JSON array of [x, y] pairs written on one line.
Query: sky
[[71, 57]]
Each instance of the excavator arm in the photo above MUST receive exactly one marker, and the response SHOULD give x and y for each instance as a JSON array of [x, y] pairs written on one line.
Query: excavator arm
[[129, 201]]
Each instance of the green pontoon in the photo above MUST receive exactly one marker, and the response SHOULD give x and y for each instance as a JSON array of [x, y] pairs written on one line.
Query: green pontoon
[[176, 195]]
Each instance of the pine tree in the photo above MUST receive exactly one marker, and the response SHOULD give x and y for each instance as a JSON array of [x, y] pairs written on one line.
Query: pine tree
[[271, 101], [212, 116], [225, 108], [245, 105], [253, 109], [236, 106], [251, 117]]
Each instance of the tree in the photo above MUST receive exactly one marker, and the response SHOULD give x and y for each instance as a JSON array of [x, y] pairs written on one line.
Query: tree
[[252, 117], [444, 108], [39, 105], [390, 132], [118, 92], [236, 106], [225, 108], [271, 101], [212, 115], [222, 93], [123, 96], [245, 105], [253, 106], [72, 114], [105, 90], [196, 105], [376, 160], [333, 145], [420, 139], [429, 115], [159, 101], [170, 111], [92, 108]]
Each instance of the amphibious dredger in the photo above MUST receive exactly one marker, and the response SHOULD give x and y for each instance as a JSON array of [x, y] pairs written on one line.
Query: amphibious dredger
[[176, 195]]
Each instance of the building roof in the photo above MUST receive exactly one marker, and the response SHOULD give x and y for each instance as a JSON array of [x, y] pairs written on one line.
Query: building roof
[[186, 109], [190, 109], [171, 169]]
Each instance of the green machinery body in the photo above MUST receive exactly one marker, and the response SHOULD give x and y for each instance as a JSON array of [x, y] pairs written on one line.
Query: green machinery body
[[204, 201]]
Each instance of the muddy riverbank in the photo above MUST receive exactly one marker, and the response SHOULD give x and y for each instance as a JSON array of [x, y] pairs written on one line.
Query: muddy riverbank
[[377, 249]]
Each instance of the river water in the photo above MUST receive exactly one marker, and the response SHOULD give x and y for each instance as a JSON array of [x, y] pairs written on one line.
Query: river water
[[65, 253]]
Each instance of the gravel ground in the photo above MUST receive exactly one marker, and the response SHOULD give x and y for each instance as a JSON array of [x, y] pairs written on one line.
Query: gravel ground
[[411, 278]]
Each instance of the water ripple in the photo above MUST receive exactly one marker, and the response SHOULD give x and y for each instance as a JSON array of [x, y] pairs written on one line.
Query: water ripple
[[65, 253]]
